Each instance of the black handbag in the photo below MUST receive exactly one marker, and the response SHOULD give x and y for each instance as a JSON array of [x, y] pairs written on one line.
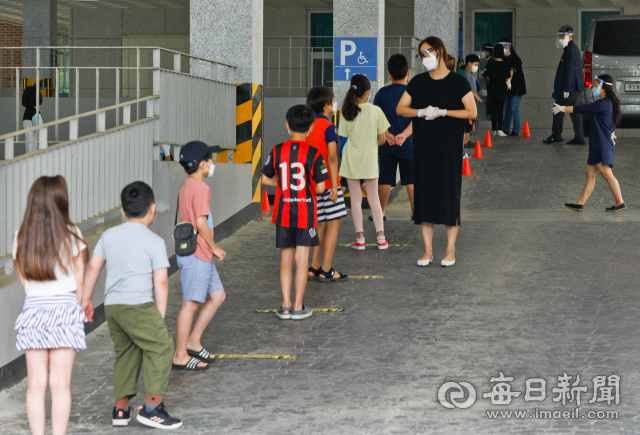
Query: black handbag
[[184, 235]]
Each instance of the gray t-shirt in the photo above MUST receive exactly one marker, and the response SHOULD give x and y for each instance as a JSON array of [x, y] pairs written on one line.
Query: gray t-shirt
[[132, 252], [472, 81]]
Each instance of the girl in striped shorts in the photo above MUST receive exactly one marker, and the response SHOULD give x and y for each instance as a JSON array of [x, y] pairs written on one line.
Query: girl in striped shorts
[[48, 250]]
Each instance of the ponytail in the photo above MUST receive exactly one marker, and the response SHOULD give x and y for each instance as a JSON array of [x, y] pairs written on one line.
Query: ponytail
[[611, 95], [357, 88]]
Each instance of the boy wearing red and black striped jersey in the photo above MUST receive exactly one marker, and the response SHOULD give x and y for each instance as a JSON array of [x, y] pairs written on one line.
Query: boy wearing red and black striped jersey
[[298, 172]]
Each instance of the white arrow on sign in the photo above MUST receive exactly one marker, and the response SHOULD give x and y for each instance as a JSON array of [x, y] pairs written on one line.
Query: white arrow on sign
[[347, 71]]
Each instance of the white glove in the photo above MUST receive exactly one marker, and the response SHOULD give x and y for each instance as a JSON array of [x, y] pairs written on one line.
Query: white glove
[[557, 109], [565, 95], [442, 112], [428, 113], [509, 84]]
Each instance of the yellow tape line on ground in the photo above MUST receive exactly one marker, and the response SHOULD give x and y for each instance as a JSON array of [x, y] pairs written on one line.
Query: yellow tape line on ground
[[375, 244], [366, 277], [322, 310], [234, 355]]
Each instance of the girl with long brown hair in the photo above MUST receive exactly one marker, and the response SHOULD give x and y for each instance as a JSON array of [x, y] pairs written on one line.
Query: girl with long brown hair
[[48, 250], [605, 115]]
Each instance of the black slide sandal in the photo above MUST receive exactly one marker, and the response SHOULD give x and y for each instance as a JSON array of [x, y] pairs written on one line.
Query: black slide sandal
[[192, 365], [331, 273], [203, 355], [316, 273]]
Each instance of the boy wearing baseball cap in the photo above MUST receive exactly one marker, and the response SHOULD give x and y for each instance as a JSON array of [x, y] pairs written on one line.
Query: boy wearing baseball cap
[[198, 276]]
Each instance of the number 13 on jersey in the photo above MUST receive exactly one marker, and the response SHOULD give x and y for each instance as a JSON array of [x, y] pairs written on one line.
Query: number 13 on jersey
[[297, 173]]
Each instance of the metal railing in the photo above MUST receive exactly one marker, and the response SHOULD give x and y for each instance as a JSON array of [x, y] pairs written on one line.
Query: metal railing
[[102, 74], [292, 64]]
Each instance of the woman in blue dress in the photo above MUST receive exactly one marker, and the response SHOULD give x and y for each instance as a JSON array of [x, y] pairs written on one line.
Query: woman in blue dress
[[605, 115]]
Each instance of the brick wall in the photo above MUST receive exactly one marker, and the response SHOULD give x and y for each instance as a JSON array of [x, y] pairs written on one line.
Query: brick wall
[[10, 36]]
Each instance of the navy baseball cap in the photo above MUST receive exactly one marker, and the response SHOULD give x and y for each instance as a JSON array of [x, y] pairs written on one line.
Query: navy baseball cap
[[193, 153]]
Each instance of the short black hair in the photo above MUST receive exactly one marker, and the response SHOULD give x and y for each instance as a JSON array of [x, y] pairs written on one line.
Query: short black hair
[[29, 97], [498, 51], [300, 118], [136, 199], [319, 97], [194, 168], [566, 28], [398, 65], [471, 58]]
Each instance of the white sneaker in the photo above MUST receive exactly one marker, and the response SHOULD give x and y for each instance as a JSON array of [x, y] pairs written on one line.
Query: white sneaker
[[502, 133], [495, 133], [425, 263]]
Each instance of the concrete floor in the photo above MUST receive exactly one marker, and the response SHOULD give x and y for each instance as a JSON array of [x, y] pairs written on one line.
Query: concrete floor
[[537, 290]]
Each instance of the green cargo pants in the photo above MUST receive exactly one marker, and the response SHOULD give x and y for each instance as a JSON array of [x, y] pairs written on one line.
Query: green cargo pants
[[140, 338]]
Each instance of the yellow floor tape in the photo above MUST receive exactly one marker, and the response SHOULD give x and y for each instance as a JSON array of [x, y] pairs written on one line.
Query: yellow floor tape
[[366, 276], [375, 244], [234, 355], [322, 310]]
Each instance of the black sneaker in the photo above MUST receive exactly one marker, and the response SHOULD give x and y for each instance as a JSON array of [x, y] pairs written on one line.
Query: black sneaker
[[469, 145], [159, 418], [513, 134], [574, 207], [552, 139], [121, 417], [615, 208]]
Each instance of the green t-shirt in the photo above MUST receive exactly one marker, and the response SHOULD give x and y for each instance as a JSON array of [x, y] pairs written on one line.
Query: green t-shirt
[[360, 154]]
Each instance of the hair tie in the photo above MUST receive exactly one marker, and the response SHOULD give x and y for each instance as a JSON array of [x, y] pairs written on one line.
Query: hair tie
[[354, 87]]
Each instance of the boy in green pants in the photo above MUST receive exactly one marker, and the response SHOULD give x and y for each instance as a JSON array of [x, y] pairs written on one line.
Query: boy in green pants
[[137, 267]]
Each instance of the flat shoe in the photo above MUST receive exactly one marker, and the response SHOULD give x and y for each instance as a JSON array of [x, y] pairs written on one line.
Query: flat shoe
[[445, 263], [615, 208], [574, 207], [279, 313], [424, 263], [302, 314]]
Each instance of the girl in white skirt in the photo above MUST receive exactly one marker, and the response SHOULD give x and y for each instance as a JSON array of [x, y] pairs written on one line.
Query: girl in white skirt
[[48, 250]]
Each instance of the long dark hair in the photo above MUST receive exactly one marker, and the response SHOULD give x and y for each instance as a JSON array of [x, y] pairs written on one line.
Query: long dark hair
[[498, 51], [611, 95], [359, 85], [46, 237], [29, 97]]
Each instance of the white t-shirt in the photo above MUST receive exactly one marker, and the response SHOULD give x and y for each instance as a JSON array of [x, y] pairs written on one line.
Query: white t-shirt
[[64, 283]]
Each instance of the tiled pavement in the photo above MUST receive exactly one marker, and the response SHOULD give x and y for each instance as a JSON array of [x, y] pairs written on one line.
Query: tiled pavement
[[537, 291]]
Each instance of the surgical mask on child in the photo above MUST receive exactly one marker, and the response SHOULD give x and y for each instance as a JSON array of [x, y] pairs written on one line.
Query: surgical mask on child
[[596, 92], [474, 69], [430, 63], [211, 169], [334, 108]]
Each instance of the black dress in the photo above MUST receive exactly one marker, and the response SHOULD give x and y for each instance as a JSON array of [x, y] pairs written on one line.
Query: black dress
[[498, 73], [437, 149]]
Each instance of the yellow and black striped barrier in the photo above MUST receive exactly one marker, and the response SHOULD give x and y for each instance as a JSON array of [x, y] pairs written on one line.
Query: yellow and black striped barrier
[[47, 86], [366, 276], [249, 131], [315, 310], [235, 355]]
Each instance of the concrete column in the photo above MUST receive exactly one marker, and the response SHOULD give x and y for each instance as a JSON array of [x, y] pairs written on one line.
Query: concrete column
[[437, 18], [231, 31], [360, 19], [40, 28]]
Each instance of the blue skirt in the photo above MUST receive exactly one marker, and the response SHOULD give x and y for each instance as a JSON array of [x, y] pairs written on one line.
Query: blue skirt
[[51, 322]]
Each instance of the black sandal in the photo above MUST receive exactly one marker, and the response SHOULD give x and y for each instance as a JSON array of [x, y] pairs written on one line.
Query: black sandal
[[316, 273], [192, 365], [203, 355], [331, 276]]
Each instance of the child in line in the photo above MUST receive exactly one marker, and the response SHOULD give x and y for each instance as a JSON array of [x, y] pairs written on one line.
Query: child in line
[[331, 208], [397, 150], [137, 268], [199, 276], [50, 252], [364, 126], [298, 172], [470, 69]]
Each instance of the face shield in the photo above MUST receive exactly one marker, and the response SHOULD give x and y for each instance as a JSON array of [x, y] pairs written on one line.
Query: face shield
[[507, 48], [563, 39], [428, 58], [601, 82]]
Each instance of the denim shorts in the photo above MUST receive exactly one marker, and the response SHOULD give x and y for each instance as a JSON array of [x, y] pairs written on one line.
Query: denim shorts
[[198, 278]]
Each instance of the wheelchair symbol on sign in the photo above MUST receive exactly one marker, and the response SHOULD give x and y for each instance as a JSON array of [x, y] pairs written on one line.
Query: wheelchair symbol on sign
[[362, 60]]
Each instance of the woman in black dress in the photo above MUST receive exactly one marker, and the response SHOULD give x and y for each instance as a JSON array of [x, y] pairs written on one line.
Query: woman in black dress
[[440, 102], [497, 75]]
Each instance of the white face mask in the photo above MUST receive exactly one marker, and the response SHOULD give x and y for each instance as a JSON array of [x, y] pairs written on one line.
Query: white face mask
[[430, 63], [474, 69], [211, 168], [334, 108], [565, 42]]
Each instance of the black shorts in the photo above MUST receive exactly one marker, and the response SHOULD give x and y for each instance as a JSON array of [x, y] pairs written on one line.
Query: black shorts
[[468, 125], [389, 169], [292, 237]]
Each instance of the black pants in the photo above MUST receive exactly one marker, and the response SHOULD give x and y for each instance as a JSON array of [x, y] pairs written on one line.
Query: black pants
[[558, 119], [497, 115]]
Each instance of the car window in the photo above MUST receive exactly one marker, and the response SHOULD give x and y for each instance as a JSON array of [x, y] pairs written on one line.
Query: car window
[[617, 38]]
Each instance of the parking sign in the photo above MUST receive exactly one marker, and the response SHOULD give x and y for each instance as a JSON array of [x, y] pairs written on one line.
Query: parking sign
[[355, 56]]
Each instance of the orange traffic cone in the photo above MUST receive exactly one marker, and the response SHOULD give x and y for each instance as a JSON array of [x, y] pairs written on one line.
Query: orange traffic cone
[[525, 132], [478, 153], [487, 140], [466, 169], [265, 202]]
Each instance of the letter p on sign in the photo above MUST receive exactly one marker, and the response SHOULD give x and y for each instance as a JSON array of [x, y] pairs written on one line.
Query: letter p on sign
[[343, 50]]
